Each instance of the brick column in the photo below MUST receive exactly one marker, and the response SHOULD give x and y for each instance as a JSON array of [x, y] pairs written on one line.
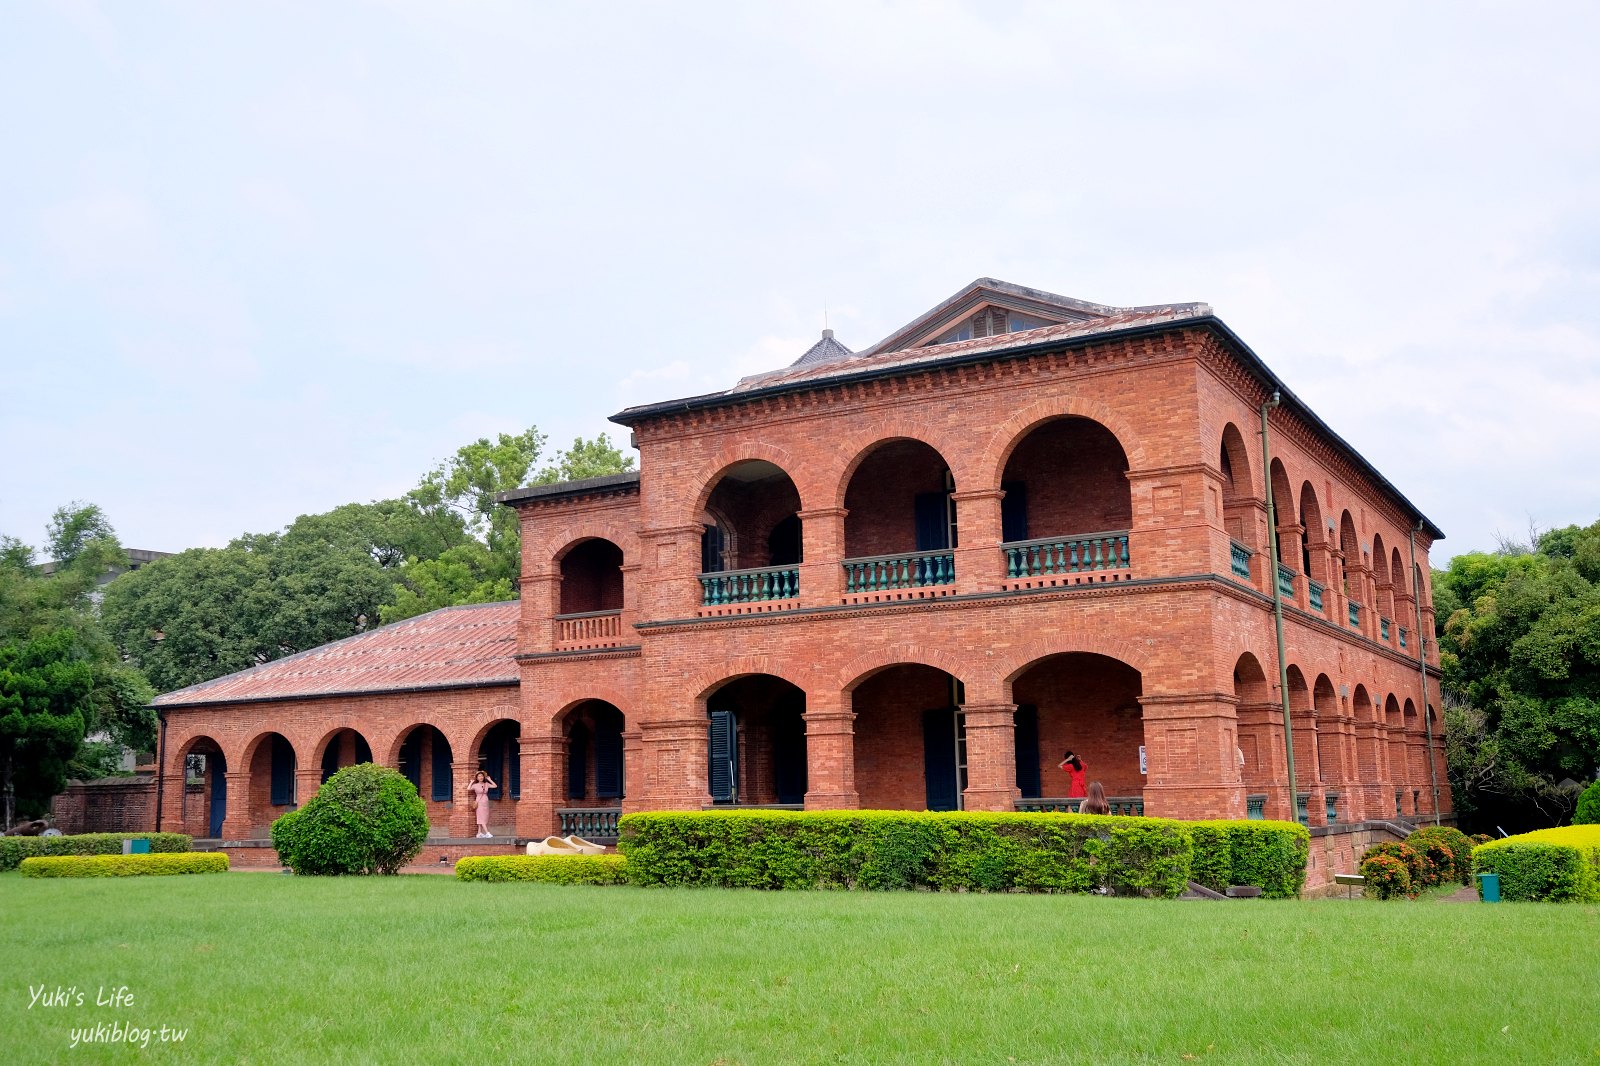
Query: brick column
[[630, 603], [238, 822], [979, 564], [991, 732], [540, 598], [634, 796], [1370, 773], [821, 575], [667, 585], [1292, 537], [675, 763], [830, 753], [306, 784], [1307, 771], [462, 820], [1188, 770], [542, 783]]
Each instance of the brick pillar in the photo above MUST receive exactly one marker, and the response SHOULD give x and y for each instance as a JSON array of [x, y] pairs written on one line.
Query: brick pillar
[[991, 732], [1307, 771], [675, 763], [238, 822], [1190, 775], [462, 820], [830, 753], [634, 797], [306, 783], [821, 576], [542, 781], [540, 599], [630, 603], [1370, 773], [667, 585], [1292, 537], [1322, 572], [980, 567]]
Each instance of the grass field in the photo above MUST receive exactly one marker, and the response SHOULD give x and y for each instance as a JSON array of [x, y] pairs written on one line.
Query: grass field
[[266, 968]]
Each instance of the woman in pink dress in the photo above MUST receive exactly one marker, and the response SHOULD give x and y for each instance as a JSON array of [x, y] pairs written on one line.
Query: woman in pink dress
[[480, 788]]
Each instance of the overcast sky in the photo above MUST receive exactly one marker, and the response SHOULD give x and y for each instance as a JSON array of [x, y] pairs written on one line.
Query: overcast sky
[[257, 261]]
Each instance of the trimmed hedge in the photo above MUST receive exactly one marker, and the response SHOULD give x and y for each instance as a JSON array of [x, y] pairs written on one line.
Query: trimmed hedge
[[14, 849], [365, 819], [154, 865], [1549, 865], [1271, 855], [548, 869], [1459, 845], [908, 850], [1588, 811]]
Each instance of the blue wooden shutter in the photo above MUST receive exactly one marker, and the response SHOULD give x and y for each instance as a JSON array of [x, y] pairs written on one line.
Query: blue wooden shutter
[[711, 550], [219, 792], [330, 760], [1014, 511], [282, 772], [723, 773], [441, 767], [411, 759], [939, 758], [363, 749], [494, 761], [578, 762], [1027, 719], [933, 521], [789, 755], [514, 767], [608, 760]]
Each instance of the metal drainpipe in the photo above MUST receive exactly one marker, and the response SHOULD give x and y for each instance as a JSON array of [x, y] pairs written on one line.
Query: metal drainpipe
[[161, 766], [1422, 670], [1277, 610]]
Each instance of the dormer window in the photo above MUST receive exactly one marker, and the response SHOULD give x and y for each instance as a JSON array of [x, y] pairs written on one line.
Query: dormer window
[[990, 322]]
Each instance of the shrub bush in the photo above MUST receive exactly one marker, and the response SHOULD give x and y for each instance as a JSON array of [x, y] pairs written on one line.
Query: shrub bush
[[908, 850], [549, 869], [14, 849], [152, 865], [1481, 838], [1418, 868], [1459, 865], [1270, 855], [1387, 876], [1588, 812], [365, 819], [1549, 865]]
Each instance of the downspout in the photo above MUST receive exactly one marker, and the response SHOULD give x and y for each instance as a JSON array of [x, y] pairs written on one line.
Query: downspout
[[1277, 608], [1422, 670], [161, 766]]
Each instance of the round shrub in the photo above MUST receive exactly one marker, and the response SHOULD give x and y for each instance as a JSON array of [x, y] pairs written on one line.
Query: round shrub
[[1588, 812], [1417, 866], [1387, 877], [365, 819], [1459, 846], [1480, 838]]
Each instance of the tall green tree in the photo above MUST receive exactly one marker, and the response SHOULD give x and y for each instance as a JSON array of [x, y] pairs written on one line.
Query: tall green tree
[[1519, 637]]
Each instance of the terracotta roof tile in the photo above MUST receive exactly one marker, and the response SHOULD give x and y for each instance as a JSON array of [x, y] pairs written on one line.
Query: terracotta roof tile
[[453, 646]]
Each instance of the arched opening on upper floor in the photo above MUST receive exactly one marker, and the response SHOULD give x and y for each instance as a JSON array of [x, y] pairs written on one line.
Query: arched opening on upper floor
[[900, 522], [751, 546], [1086, 704], [591, 577], [756, 752], [1065, 477], [1284, 518], [1315, 539], [1350, 565], [1383, 592], [1238, 488]]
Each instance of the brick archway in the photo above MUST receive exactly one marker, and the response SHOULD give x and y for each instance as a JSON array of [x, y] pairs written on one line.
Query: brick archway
[[990, 468]]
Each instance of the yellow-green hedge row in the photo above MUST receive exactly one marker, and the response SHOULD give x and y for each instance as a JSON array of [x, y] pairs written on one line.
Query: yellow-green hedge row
[[192, 862], [14, 849], [549, 869], [1560, 865]]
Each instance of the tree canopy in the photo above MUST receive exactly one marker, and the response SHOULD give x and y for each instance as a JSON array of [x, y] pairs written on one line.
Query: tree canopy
[[1519, 635]]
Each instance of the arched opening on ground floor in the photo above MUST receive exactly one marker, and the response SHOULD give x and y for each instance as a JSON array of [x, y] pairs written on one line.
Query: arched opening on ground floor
[[594, 766], [756, 749], [425, 760], [205, 788], [499, 756], [1087, 704], [272, 762], [345, 747], [910, 740]]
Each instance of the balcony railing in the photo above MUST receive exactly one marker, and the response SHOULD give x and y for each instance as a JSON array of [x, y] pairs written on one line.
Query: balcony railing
[[1124, 805], [1383, 627], [1285, 582], [1315, 595], [1241, 559], [1403, 636], [1302, 805], [1066, 555], [1331, 807], [880, 573], [1255, 808], [749, 586], [588, 628], [591, 823], [1355, 615]]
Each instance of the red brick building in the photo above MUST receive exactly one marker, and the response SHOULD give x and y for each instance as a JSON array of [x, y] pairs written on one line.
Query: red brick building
[[909, 577]]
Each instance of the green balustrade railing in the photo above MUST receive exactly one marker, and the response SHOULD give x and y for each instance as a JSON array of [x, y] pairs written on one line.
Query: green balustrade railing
[[1255, 808], [1241, 559], [1403, 636], [1302, 808], [1315, 594], [1331, 808], [880, 573], [1066, 555], [1130, 806], [749, 586], [1398, 809], [1383, 627], [1285, 582], [1355, 615], [591, 823]]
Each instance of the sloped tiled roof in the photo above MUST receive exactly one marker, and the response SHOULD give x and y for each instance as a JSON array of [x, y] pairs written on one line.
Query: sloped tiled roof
[[448, 648], [826, 350]]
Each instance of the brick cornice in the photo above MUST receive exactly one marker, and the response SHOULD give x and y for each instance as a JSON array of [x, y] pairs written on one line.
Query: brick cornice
[[626, 651]]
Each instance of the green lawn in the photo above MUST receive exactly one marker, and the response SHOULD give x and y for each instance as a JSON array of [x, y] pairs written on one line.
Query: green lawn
[[269, 968]]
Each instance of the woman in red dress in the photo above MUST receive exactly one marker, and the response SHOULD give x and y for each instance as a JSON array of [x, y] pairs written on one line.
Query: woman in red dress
[[1075, 775]]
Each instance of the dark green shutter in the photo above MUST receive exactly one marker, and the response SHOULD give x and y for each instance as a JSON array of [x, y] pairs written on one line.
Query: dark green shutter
[[1027, 719], [608, 760], [363, 749], [330, 759], [494, 761], [282, 772], [789, 755], [1014, 511], [514, 766], [933, 521], [441, 767], [939, 758], [219, 792], [723, 775], [411, 759], [711, 550], [578, 762]]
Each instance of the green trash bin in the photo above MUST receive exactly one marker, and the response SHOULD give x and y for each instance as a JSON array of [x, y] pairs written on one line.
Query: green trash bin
[[1489, 888]]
